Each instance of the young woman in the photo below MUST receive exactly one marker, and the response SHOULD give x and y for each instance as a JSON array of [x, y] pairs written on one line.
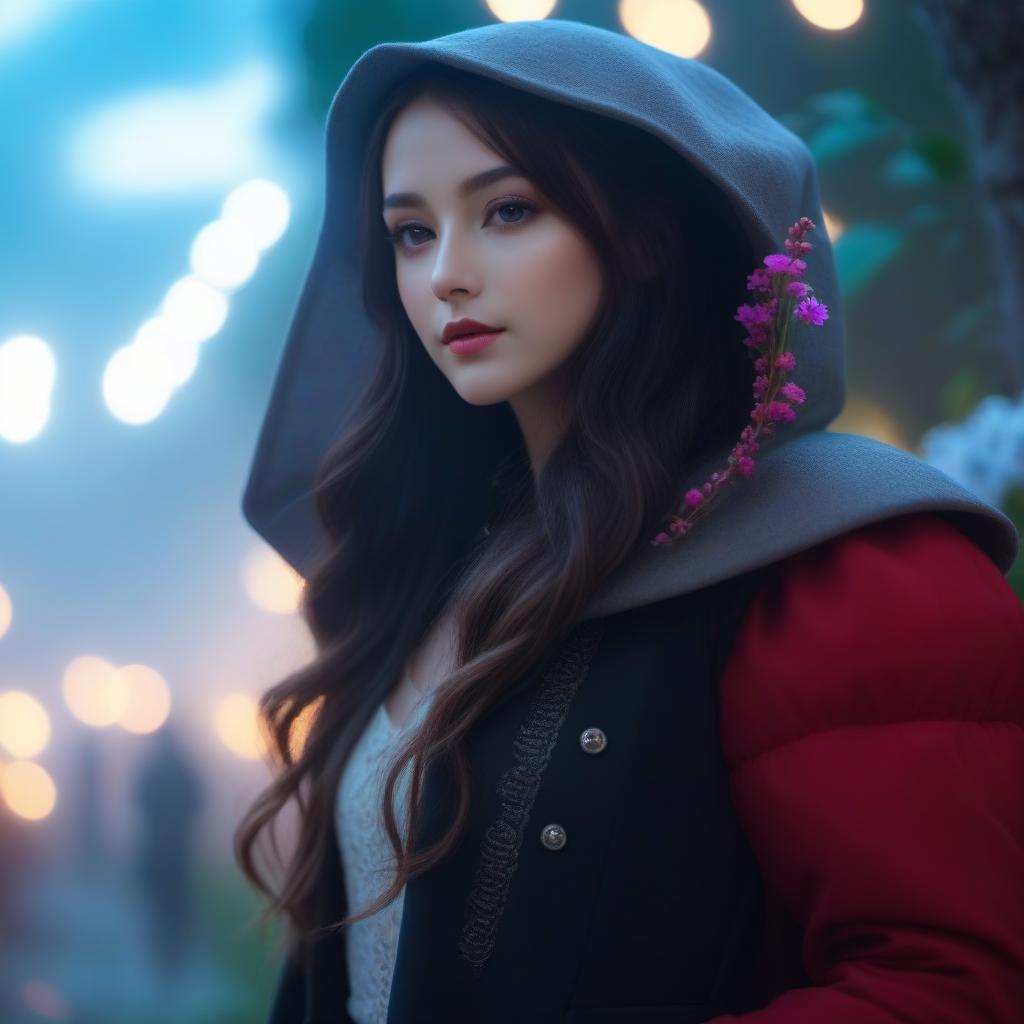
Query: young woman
[[769, 770]]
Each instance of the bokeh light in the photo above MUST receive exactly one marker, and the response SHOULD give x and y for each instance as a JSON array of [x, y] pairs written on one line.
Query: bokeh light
[[24, 724], [149, 698], [301, 726], [271, 583], [830, 14], [172, 356], [863, 415], [136, 387], [6, 610], [27, 373], [140, 378], [236, 722], [28, 790], [833, 226], [520, 10], [196, 310], [94, 691], [260, 209], [681, 27], [42, 999], [223, 254]]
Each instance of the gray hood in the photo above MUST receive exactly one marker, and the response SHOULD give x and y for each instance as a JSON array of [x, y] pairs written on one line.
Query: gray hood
[[809, 483]]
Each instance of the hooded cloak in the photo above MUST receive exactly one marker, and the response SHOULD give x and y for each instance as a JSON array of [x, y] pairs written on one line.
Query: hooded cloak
[[810, 484]]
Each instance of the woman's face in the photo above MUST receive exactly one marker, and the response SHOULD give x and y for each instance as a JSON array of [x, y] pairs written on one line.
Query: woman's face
[[499, 254]]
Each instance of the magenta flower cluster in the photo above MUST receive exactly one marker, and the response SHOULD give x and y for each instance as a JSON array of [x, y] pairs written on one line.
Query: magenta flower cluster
[[783, 299]]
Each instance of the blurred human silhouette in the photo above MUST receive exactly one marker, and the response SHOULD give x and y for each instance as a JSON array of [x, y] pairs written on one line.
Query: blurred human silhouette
[[169, 797], [88, 806], [17, 853]]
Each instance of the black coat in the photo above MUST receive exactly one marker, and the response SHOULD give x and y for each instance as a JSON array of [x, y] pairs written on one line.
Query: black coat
[[646, 904]]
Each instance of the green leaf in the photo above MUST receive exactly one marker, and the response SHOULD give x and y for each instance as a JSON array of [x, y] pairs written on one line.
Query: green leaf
[[907, 169], [960, 394], [945, 155], [922, 215], [845, 104], [1013, 507], [977, 317], [837, 139], [863, 251]]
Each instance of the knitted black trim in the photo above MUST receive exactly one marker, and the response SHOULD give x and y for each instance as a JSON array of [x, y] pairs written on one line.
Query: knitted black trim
[[499, 851]]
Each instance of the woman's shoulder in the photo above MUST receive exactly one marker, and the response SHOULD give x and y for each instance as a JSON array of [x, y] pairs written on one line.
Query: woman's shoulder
[[871, 720], [900, 619]]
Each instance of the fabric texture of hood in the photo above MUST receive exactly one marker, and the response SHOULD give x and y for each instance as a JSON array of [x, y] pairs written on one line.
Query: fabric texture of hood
[[809, 483]]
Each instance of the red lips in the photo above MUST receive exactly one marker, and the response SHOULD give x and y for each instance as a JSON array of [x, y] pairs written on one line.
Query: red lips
[[457, 328]]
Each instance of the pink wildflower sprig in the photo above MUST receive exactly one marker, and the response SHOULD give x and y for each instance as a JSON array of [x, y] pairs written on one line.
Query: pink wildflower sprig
[[783, 299]]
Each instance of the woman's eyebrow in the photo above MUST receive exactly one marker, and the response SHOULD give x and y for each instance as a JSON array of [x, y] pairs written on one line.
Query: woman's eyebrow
[[466, 189]]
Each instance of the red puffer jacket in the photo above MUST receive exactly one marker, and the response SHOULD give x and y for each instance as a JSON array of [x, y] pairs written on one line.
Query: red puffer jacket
[[873, 720]]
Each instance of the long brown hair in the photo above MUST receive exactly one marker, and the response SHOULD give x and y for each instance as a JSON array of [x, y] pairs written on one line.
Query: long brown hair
[[429, 502]]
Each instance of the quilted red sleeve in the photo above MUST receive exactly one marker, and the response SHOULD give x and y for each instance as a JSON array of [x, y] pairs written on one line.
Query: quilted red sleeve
[[872, 713]]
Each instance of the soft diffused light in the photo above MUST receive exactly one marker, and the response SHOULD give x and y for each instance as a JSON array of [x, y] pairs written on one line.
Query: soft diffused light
[[93, 691], [175, 139], [28, 790], [6, 611], [834, 227], [24, 724], [172, 356], [864, 416], [136, 385], [236, 720], [521, 10], [271, 582], [195, 310], [149, 699], [260, 209], [831, 14], [223, 255], [27, 373], [300, 727], [44, 1000], [681, 27]]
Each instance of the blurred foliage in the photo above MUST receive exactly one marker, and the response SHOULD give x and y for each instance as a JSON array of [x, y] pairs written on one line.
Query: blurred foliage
[[337, 34], [1013, 506], [964, 388], [229, 977], [921, 203], [863, 251], [839, 122], [978, 316], [943, 156], [240, 952], [836, 139], [841, 126]]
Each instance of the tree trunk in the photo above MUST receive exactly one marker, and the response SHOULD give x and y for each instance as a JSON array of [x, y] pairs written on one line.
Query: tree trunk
[[980, 44]]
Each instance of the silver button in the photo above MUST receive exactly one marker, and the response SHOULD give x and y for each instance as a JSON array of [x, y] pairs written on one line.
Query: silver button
[[553, 837], [593, 740]]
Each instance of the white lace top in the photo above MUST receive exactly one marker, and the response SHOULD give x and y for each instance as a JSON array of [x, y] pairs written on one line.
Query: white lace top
[[368, 863]]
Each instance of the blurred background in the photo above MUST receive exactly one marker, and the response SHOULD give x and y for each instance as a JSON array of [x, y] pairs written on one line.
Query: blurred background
[[161, 171]]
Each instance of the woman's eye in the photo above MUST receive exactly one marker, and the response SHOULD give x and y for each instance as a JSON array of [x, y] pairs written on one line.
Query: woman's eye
[[512, 206], [398, 236]]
